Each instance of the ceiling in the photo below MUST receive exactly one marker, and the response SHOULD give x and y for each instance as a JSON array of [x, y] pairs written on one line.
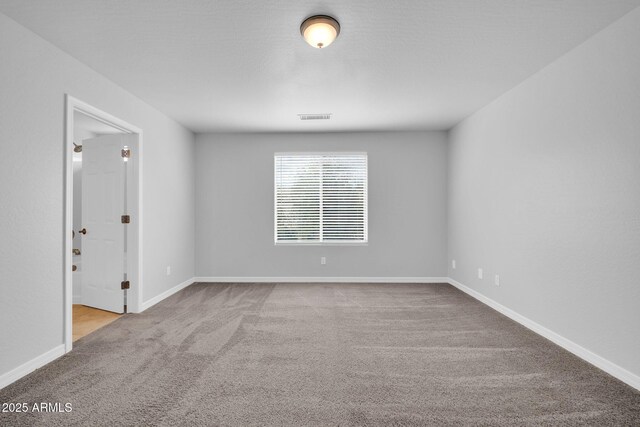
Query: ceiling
[[241, 66]]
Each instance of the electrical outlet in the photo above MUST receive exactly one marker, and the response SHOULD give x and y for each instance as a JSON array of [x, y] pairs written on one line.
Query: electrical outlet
[[497, 280], [453, 264], [323, 260], [479, 273], [168, 270]]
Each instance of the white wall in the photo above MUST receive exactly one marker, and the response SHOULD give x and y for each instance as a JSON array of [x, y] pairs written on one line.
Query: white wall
[[544, 191], [34, 77], [407, 207]]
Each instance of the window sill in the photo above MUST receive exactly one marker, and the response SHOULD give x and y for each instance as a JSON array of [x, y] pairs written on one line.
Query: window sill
[[321, 244]]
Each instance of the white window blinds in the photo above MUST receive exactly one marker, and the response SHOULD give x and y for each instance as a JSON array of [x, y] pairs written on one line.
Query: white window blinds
[[321, 198]]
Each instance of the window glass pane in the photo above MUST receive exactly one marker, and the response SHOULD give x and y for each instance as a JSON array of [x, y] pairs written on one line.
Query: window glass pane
[[320, 198]]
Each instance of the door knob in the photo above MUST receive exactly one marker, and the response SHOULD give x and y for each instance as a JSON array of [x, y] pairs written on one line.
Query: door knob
[[83, 231]]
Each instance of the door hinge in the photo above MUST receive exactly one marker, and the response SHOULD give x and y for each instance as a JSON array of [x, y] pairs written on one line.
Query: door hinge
[[125, 219], [125, 153], [124, 285]]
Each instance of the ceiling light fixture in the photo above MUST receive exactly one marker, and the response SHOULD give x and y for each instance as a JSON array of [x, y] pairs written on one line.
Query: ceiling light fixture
[[320, 30]]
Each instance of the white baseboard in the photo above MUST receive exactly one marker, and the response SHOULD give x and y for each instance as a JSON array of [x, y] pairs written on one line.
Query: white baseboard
[[153, 301], [77, 299], [30, 366], [600, 362], [322, 279]]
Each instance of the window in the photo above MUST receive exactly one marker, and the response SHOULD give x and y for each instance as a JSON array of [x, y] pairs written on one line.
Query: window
[[320, 198]]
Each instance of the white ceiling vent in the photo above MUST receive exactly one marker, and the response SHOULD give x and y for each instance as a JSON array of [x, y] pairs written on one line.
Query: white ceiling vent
[[314, 116]]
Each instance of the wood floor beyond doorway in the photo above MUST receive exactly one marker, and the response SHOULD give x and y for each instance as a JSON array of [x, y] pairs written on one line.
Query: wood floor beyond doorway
[[88, 319]]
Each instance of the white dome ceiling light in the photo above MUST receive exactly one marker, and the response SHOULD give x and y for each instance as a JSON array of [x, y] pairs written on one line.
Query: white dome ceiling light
[[320, 30]]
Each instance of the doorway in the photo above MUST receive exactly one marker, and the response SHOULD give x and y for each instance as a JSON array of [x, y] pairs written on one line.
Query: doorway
[[102, 219]]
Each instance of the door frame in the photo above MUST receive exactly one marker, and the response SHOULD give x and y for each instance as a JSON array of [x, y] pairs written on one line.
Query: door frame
[[134, 207]]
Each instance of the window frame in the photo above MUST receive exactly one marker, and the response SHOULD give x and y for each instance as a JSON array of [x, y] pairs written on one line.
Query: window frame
[[364, 242]]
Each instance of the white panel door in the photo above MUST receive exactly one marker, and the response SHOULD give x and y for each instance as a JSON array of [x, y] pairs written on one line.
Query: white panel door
[[103, 204]]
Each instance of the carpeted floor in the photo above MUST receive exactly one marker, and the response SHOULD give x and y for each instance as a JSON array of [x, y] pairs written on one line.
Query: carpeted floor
[[321, 354]]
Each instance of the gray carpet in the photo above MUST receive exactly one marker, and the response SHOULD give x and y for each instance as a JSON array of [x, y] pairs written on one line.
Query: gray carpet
[[321, 354]]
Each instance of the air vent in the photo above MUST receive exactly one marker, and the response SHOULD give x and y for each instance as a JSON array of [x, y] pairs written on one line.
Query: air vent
[[314, 116]]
